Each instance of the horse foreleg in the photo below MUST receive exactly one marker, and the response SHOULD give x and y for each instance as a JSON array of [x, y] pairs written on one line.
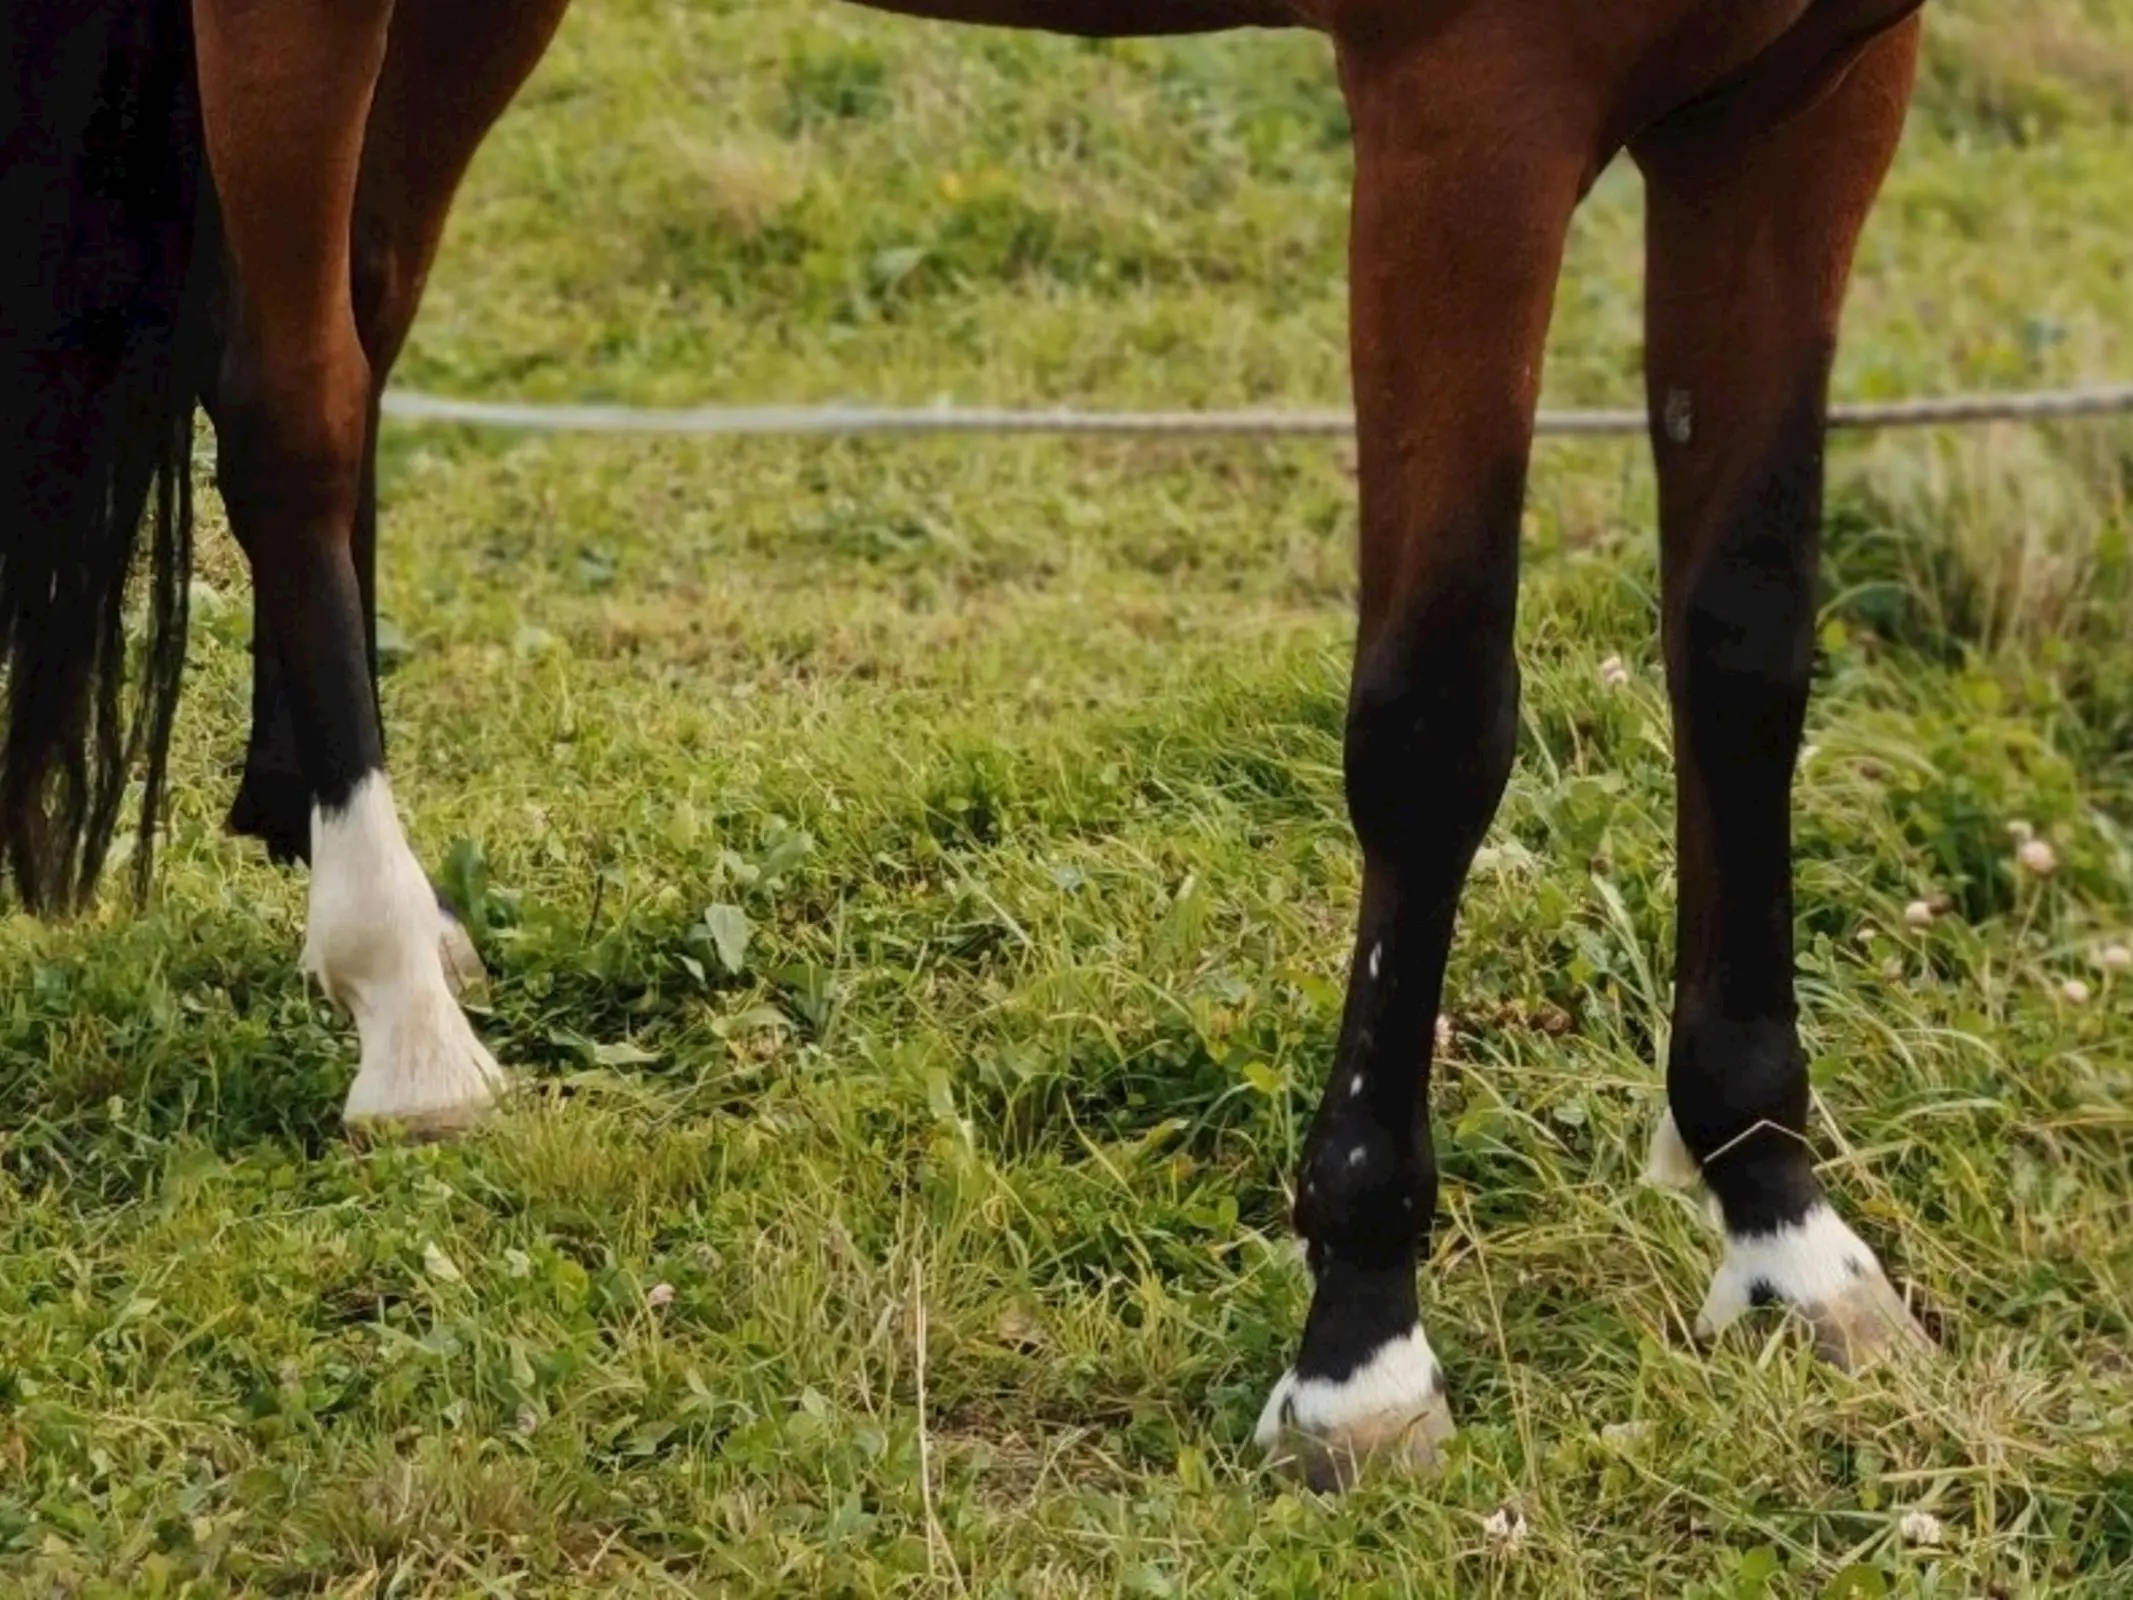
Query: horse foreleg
[[1751, 234], [286, 87], [1464, 187]]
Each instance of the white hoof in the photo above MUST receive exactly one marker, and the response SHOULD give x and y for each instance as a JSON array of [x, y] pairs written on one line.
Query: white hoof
[[423, 1070], [1390, 1411], [374, 943]]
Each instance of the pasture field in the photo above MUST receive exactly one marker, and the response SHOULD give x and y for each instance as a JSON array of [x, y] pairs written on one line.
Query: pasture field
[[917, 890]]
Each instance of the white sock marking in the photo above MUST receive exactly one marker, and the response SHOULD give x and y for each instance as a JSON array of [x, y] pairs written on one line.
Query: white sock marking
[[1808, 1263], [372, 943], [1813, 1264], [1377, 952], [1400, 1380]]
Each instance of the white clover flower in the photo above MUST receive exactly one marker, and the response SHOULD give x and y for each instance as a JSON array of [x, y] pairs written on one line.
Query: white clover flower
[[1922, 1528], [1505, 1527]]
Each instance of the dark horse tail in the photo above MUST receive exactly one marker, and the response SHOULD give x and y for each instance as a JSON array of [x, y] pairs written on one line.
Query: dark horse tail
[[105, 217]]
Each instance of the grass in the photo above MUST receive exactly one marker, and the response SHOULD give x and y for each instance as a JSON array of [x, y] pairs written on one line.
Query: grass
[[917, 890]]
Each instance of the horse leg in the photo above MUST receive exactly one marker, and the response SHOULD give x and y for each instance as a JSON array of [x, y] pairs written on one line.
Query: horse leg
[[1464, 188], [451, 68], [286, 86], [1751, 234]]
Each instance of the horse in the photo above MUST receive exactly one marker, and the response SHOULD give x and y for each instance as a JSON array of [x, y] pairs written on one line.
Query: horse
[[233, 205]]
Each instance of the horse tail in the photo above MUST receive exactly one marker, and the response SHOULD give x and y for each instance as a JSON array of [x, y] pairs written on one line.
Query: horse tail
[[105, 331]]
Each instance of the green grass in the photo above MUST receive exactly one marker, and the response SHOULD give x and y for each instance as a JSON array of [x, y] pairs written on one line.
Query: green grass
[[1020, 761]]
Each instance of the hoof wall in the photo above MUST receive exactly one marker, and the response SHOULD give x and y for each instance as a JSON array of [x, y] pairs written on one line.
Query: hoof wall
[[1866, 1325], [1332, 1462], [436, 1125]]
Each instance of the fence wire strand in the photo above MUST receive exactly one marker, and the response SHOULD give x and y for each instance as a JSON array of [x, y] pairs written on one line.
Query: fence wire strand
[[841, 420]]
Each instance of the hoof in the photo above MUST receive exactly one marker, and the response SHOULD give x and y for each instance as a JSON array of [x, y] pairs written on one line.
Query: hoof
[[425, 1084], [1819, 1268], [1333, 1462], [423, 1071], [1816, 1267], [1865, 1324], [1389, 1414], [438, 1126]]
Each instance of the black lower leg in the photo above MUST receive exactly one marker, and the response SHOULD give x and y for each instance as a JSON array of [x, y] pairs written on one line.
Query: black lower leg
[[1431, 729], [1740, 626], [309, 596], [291, 480], [273, 802]]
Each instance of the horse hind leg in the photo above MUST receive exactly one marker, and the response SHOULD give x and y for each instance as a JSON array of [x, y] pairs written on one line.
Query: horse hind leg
[[292, 403], [450, 71], [1751, 236]]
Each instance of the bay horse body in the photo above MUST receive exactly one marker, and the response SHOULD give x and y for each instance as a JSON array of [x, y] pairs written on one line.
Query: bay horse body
[[249, 197]]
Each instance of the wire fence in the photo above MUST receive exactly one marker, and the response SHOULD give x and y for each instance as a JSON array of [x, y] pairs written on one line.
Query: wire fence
[[839, 420]]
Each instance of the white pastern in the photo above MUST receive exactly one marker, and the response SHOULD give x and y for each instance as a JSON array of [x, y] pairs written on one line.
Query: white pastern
[[1816, 1265], [1400, 1383], [372, 943], [1812, 1263]]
